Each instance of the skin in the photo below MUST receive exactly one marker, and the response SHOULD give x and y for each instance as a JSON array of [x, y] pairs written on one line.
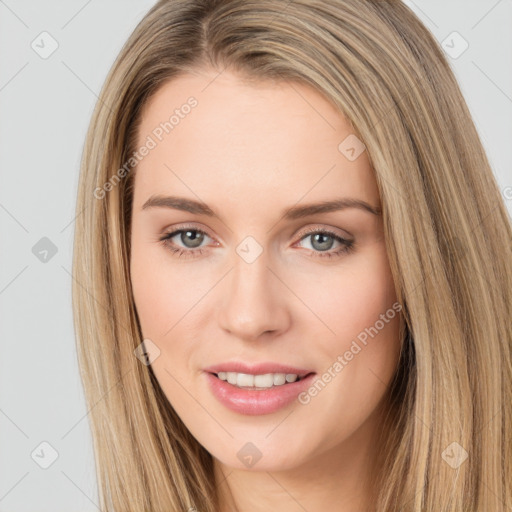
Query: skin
[[249, 151]]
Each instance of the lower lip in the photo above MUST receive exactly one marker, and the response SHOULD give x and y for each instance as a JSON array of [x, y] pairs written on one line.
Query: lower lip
[[254, 402]]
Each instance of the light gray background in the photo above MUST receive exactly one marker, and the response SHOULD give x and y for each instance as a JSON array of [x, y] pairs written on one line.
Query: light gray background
[[45, 107]]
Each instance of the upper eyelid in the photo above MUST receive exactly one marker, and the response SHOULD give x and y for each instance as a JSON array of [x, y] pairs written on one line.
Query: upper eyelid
[[178, 229]]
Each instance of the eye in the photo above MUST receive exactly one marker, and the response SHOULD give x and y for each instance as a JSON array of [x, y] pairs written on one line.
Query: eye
[[190, 237], [322, 240]]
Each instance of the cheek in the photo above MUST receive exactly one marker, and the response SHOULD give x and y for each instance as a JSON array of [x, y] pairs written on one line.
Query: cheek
[[163, 293], [167, 298], [161, 300], [357, 303], [351, 297]]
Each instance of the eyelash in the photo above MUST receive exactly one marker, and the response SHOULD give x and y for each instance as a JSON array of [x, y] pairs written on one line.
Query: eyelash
[[347, 245]]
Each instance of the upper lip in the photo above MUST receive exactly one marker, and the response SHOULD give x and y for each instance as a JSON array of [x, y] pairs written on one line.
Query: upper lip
[[257, 369]]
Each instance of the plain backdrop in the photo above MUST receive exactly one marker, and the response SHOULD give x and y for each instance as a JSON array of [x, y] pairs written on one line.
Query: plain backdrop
[[46, 459]]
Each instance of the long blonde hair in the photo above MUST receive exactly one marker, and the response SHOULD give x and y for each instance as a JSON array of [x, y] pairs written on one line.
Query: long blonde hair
[[448, 236]]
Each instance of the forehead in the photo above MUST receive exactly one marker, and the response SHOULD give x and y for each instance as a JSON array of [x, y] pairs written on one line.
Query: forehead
[[241, 140]]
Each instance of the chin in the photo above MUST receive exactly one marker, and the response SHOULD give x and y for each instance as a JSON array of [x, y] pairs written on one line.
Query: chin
[[261, 456]]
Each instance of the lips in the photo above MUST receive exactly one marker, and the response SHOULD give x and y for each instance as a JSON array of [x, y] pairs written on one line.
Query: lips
[[257, 401]]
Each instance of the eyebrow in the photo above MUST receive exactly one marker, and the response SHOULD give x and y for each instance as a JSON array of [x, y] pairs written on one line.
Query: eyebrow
[[291, 213]]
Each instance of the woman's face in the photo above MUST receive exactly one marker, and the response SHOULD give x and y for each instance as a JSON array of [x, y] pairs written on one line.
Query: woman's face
[[257, 275]]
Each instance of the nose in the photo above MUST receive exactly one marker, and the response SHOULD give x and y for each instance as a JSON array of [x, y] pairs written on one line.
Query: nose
[[254, 300]]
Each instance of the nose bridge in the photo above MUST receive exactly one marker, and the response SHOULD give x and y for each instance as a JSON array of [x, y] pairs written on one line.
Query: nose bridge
[[250, 270], [251, 304]]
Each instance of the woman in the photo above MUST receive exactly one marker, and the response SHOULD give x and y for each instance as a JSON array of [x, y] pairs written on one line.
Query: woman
[[293, 268]]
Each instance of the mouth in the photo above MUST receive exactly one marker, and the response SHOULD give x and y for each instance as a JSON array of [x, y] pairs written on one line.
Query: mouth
[[260, 381], [256, 394]]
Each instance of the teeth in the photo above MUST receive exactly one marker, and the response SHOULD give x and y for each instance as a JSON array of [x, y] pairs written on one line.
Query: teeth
[[268, 380], [245, 380], [278, 379]]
